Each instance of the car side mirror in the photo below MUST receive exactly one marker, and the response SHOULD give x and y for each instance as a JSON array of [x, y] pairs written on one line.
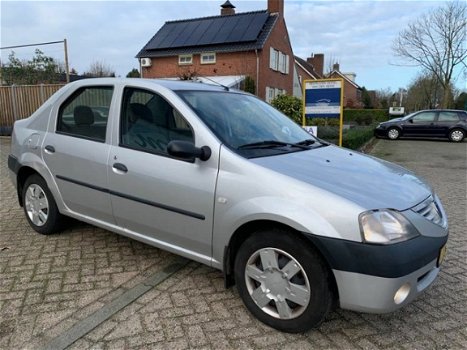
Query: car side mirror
[[187, 150], [411, 121]]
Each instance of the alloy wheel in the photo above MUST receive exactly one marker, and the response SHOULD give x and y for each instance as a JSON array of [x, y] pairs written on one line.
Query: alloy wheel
[[37, 205]]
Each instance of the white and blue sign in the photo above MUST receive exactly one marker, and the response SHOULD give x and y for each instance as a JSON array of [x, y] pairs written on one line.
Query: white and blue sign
[[323, 99]]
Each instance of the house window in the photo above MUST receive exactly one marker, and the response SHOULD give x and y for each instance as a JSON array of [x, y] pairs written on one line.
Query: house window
[[272, 93], [208, 58], [278, 61], [185, 59], [273, 58]]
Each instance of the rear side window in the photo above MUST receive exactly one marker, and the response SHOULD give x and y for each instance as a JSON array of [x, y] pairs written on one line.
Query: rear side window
[[85, 113], [448, 117]]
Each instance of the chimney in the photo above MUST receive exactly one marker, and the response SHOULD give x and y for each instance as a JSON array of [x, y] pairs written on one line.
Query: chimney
[[335, 66], [227, 9], [276, 6], [317, 61]]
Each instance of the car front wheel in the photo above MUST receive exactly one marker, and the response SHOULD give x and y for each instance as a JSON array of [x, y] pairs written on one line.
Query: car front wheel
[[283, 281], [393, 133], [40, 207], [456, 135]]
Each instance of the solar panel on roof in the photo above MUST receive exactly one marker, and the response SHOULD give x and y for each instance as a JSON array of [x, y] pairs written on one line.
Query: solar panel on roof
[[208, 31], [255, 27], [240, 30]]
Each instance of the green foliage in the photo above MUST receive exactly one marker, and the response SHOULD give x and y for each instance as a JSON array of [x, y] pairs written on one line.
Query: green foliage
[[461, 101], [134, 73], [366, 99], [289, 105], [365, 116], [323, 121], [249, 85], [40, 69], [356, 137]]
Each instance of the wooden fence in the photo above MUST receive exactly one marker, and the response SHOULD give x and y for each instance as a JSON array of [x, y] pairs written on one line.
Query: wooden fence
[[20, 101]]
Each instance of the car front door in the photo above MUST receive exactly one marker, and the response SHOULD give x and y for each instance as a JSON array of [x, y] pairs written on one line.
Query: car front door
[[76, 152], [421, 124], [165, 201]]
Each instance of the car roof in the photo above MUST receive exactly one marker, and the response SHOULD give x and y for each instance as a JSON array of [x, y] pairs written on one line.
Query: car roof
[[441, 110], [167, 83]]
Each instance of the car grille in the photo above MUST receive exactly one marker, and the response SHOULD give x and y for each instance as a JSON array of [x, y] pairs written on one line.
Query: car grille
[[430, 211]]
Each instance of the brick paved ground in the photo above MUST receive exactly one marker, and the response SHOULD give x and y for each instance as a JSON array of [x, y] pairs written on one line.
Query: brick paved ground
[[50, 283]]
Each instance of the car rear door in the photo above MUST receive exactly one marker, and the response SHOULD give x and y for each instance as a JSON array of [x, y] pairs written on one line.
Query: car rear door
[[446, 121], [166, 201], [76, 149]]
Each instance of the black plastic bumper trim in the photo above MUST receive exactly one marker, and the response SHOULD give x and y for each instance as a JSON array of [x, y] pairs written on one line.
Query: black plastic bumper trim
[[136, 199], [389, 261], [13, 164]]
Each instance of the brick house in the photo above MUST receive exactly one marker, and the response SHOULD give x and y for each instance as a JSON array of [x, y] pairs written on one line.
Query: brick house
[[352, 91], [309, 69], [226, 48]]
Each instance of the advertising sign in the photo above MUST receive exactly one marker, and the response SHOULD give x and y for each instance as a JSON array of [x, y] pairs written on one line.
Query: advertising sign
[[323, 98]]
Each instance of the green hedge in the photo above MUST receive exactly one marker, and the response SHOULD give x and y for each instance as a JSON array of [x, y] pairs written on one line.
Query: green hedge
[[353, 138], [365, 116]]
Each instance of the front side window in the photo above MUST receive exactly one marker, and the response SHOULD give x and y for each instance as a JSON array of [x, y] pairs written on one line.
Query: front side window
[[425, 117], [149, 122], [84, 114], [239, 120]]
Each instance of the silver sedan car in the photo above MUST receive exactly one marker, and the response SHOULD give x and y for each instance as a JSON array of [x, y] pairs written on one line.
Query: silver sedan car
[[223, 178]]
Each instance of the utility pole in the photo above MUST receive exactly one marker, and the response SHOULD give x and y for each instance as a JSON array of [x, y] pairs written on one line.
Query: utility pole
[[67, 67]]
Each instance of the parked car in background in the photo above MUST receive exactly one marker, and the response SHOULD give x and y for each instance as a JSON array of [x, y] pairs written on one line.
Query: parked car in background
[[443, 123], [223, 178]]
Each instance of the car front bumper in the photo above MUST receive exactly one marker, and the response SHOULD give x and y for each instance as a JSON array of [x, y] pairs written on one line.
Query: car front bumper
[[380, 132], [382, 278]]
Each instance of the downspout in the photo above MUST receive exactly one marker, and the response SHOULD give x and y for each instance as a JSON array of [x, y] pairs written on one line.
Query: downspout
[[140, 68], [257, 72]]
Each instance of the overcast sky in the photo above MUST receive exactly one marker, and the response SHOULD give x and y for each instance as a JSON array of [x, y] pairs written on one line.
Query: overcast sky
[[357, 34]]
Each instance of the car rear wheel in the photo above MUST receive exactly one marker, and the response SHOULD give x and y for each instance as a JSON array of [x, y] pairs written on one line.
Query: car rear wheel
[[456, 135], [283, 281], [393, 133], [40, 207]]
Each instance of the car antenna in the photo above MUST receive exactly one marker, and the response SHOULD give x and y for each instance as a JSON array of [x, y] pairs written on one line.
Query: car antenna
[[226, 88]]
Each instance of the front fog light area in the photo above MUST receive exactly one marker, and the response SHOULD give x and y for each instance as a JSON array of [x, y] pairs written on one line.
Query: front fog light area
[[385, 227], [402, 293]]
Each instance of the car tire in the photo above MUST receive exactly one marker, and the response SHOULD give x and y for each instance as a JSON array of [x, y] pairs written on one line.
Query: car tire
[[456, 135], [393, 133], [293, 293], [40, 207]]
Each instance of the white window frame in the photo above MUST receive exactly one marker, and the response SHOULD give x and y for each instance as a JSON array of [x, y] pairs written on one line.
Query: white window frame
[[281, 62], [185, 59], [205, 58], [273, 58], [269, 94]]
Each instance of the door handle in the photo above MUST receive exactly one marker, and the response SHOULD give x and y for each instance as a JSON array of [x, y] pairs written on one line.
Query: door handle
[[50, 149], [120, 167]]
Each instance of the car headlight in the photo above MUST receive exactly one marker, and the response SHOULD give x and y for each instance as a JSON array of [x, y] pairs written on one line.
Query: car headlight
[[385, 226]]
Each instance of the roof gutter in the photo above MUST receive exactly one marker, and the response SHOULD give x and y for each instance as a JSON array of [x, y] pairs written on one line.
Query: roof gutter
[[257, 72]]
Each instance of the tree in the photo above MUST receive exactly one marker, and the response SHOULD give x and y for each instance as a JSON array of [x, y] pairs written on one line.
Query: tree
[[40, 69], [436, 42], [289, 105], [134, 73], [99, 69], [461, 101], [385, 97], [249, 85], [426, 92], [366, 99]]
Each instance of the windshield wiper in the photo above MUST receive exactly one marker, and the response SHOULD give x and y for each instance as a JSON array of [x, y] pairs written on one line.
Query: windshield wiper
[[306, 142], [271, 144]]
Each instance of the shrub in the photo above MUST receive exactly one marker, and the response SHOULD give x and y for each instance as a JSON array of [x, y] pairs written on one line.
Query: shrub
[[356, 137], [289, 105], [249, 85], [365, 116]]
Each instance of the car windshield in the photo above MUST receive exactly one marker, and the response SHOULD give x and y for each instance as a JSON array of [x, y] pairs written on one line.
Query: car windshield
[[248, 125]]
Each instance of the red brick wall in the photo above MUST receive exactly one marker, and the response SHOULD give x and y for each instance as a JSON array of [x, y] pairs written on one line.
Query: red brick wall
[[237, 63], [279, 40]]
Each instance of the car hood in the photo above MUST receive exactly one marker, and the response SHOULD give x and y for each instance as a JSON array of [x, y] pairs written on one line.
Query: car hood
[[392, 121], [367, 181]]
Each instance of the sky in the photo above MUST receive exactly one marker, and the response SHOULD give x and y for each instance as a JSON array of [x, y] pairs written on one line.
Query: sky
[[357, 34]]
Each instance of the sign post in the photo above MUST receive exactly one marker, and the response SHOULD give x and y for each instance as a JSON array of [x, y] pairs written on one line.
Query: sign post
[[324, 98]]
